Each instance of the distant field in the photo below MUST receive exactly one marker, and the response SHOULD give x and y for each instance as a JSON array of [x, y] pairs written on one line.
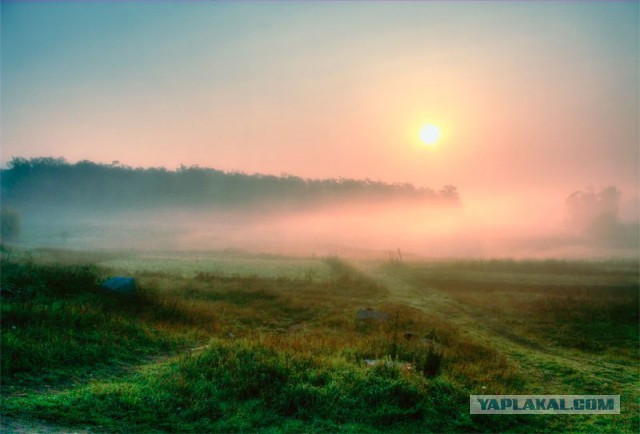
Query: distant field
[[224, 265], [229, 341]]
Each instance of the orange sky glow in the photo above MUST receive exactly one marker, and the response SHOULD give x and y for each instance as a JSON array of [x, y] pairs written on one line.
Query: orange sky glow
[[534, 99]]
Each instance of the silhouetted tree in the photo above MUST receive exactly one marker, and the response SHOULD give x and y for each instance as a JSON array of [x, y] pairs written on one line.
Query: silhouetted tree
[[590, 210], [54, 181], [595, 215]]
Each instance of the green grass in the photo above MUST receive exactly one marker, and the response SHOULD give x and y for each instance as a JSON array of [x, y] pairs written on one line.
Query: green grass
[[57, 324], [572, 305], [230, 264], [203, 350], [571, 327], [246, 385]]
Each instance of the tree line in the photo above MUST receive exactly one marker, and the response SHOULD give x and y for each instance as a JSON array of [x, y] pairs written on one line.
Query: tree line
[[54, 181]]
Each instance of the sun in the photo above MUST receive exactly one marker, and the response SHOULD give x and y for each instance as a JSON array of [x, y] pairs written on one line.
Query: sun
[[430, 134]]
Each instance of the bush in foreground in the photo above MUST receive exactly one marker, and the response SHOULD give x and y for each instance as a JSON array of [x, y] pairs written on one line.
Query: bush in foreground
[[244, 385]]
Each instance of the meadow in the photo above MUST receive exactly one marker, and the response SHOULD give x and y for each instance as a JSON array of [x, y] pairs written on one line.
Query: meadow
[[231, 341]]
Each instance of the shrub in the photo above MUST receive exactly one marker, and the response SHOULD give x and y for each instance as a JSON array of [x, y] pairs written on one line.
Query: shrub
[[9, 224]]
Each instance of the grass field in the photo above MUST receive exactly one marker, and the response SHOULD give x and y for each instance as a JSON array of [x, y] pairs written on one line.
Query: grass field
[[228, 341]]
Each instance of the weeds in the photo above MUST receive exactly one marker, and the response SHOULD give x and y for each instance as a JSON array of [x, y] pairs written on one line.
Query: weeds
[[591, 308], [57, 321], [267, 386], [251, 353]]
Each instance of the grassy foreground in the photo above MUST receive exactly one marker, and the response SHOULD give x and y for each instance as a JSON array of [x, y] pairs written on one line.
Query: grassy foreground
[[262, 351]]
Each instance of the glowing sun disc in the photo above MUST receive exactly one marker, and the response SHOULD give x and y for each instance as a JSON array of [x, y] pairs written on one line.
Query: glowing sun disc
[[430, 134]]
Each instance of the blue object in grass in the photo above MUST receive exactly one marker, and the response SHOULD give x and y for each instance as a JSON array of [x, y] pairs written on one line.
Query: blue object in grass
[[124, 285]]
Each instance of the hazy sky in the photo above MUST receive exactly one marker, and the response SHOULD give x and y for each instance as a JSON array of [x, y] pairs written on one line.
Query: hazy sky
[[535, 99]]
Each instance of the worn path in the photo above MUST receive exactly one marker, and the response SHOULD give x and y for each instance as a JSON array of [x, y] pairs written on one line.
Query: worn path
[[555, 370]]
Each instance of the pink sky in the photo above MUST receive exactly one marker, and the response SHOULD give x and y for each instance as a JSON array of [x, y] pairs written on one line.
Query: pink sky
[[535, 99]]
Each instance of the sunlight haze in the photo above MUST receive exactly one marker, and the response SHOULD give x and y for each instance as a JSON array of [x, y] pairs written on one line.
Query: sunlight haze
[[534, 100], [371, 216]]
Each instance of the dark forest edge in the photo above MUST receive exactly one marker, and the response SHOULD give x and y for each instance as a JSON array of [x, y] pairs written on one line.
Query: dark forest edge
[[54, 181]]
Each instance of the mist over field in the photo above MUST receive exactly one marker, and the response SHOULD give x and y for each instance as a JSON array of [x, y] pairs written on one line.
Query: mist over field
[[96, 206], [442, 129], [319, 216]]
